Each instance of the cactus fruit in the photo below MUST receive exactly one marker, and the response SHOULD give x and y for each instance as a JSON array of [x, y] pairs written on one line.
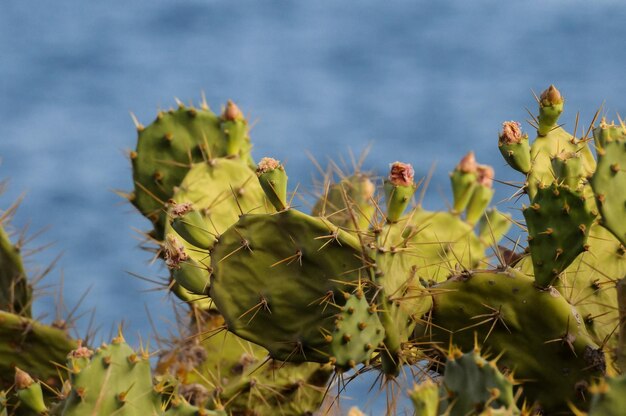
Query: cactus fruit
[[558, 226], [168, 147], [472, 185], [15, 291], [609, 179], [399, 189], [29, 392], [273, 180], [513, 145]]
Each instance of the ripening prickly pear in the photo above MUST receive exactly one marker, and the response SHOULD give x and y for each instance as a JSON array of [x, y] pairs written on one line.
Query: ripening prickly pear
[[463, 180], [550, 108], [273, 180], [29, 392], [481, 195], [399, 189], [513, 145]]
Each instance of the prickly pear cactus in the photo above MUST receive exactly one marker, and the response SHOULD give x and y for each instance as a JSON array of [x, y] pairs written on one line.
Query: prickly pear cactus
[[31, 345], [112, 380], [167, 148], [558, 226], [15, 291], [224, 370], [497, 308], [609, 179], [278, 279]]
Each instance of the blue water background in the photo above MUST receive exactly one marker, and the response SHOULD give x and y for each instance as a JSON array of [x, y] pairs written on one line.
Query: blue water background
[[423, 82]]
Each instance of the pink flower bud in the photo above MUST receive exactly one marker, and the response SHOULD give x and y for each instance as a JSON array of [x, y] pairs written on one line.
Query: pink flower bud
[[485, 175], [468, 163], [232, 112], [551, 96]]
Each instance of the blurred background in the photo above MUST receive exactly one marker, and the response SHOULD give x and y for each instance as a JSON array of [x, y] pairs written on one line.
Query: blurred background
[[422, 82]]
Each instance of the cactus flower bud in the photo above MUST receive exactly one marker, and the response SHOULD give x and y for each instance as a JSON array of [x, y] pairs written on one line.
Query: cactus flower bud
[[550, 108], [401, 174], [551, 96], [23, 380], [232, 112], [174, 251], [485, 175], [467, 163]]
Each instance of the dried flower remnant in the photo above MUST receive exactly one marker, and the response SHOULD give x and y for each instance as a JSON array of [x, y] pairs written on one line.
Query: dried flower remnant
[[267, 164], [174, 251], [180, 209], [401, 174], [511, 132]]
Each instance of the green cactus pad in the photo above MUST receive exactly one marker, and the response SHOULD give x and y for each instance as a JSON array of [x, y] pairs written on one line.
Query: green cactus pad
[[15, 292], [568, 169], [348, 203], [507, 313], [276, 278], [238, 375], [165, 152], [219, 191], [545, 148], [115, 380], [493, 225], [558, 226], [357, 332], [32, 346], [471, 383], [609, 179]]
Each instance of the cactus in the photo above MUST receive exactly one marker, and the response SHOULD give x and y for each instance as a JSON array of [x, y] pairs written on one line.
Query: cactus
[[237, 374], [349, 203], [15, 291], [500, 307], [168, 147], [558, 226], [31, 345], [609, 179]]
